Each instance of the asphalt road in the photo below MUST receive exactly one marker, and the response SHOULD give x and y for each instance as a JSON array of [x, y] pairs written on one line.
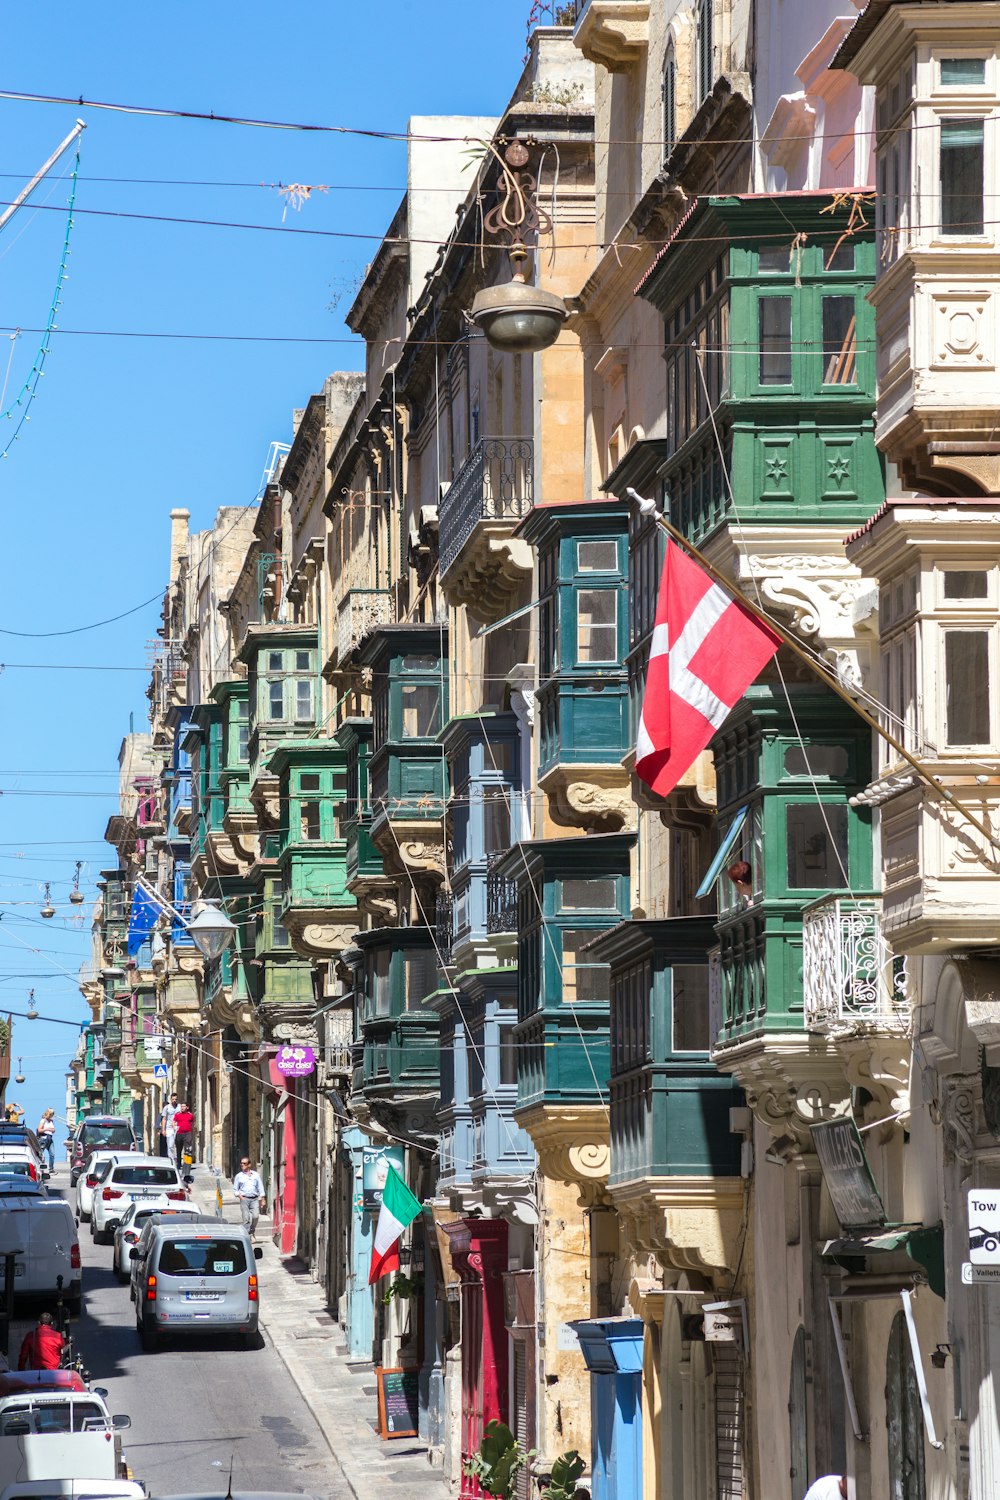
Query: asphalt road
[[197, 1405]]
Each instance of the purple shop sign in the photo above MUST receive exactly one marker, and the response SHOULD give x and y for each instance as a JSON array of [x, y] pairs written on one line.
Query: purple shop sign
[[295, 1062]]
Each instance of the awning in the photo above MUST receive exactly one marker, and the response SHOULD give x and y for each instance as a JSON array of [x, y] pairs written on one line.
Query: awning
[[923, 1245]]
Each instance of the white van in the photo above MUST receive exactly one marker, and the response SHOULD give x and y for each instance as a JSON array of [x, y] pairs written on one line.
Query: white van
[[43, 1232], [193, 1278], [49, 1434]]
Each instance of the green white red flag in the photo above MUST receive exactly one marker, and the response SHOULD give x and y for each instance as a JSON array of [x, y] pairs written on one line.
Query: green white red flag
[[399, 1208]]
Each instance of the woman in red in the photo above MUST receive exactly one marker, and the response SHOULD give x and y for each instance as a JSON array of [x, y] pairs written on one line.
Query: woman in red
[[183, 1126]]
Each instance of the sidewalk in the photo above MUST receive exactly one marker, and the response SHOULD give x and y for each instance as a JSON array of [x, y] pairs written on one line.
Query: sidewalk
[[340, 1393]]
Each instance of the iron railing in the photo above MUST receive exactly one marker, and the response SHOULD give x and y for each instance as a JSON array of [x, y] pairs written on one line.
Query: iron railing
[[444, 924], [361, 612], [851, 977], [339, 1026], [496, 483], [501, 898]]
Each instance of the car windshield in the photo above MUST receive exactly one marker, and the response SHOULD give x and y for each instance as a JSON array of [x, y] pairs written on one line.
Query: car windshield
[[15, 1169], [68, 1416], [207, 1257], [93, 1136], [144, 1176]]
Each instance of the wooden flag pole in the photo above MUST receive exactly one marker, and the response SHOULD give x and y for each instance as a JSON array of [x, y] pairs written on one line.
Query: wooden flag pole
[[648, 508]]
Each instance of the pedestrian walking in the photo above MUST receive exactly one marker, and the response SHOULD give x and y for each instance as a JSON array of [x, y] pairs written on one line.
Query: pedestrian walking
[[46, 1133], [42, 1347], [167, 1128], [249, 1192], [830, 1487], [183, 1127]]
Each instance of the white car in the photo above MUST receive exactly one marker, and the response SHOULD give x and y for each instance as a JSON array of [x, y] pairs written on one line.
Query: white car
[[74, 1489], [131, 1225], [89, 1180], [132, 1179]]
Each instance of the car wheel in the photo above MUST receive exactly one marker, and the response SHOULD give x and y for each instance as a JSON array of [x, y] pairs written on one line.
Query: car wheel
[[84, 1218]]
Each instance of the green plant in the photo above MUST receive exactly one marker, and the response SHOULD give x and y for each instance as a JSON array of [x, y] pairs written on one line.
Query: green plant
[[499, 1461], [402, 1286], [566, 1471], [4, 1036]]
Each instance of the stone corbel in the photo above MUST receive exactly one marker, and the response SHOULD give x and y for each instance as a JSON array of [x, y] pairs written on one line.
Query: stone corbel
[[614, 33], [574, 1146], [312, 937], [597, 798], [790, 1088], [266, 798], [880, 1063]]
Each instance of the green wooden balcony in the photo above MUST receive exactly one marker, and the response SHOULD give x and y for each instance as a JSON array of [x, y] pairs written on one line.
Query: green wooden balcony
[[396, 972]]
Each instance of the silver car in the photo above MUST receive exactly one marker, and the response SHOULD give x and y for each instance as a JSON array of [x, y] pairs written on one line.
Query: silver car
[[195, 1277], [134, 1220]]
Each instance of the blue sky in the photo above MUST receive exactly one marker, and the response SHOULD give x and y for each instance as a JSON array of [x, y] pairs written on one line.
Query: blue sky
[[123, 429]]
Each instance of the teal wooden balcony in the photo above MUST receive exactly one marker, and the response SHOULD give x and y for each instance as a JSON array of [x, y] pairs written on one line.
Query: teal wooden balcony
[[569, 892], [364, 862], [669, 1103], [396, 973], [317, 906]]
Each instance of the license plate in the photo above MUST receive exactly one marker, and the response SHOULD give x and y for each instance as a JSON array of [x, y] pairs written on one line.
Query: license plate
[[18, 1269], [202, 1296]]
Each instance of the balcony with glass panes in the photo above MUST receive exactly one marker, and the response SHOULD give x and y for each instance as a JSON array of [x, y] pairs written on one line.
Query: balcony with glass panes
[[363, 860], [786, 772], [485, 809], [569, 892], [279, 977], [283, 683], [582, 699], [769, 351], [318, 909], [114, 916], [396, 976], [204, 745], [178, 779], [407, 770], [234, 776]]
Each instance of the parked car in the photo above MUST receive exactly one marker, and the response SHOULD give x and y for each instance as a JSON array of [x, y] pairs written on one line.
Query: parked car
[[97, 1169], [134, 1220], [133, 1179], [192, 1277], [18, 1138], [43, 1232], [14, 1382], [20, 1176], [97, 1133], [49, 1434], [74, 1489]]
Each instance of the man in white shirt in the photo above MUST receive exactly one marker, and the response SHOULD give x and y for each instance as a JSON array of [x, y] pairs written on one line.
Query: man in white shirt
[[167, 1130], [830, 1487], [249, 1192]]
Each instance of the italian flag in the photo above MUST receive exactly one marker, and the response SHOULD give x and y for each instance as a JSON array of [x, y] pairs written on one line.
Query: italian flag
[[399, 1208]]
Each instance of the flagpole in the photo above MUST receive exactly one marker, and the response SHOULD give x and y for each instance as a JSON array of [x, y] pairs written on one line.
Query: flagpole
[[648, 507]]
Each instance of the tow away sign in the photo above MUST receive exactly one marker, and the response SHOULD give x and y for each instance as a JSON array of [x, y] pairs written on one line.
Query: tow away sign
[[984, 1236]]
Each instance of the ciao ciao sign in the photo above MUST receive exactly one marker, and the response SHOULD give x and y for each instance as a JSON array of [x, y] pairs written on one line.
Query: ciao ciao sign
[[295, 1061]]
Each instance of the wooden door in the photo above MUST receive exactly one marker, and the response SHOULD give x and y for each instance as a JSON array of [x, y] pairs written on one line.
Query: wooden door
[[798, 1431], [904, 1418]]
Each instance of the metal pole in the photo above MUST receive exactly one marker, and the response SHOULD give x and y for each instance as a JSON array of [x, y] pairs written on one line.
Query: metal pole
[[852, 1405], [825, 676], [918, 1367], [12, 208]]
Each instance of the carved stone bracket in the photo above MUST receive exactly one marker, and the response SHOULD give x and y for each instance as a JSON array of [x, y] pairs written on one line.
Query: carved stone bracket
[[573, 1145], [412, 848], [489, 572], [321, 933], [598, 798], [688, 1223], [613, 33], [791, 1083], [880, 1063]]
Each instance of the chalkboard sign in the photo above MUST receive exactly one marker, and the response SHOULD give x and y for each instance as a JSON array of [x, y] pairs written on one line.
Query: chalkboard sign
[[398, 1402]]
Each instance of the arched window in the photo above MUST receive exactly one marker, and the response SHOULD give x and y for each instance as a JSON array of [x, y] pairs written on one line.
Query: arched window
[[904, 1418], [669, 95], [704, 62], [798, 1418]]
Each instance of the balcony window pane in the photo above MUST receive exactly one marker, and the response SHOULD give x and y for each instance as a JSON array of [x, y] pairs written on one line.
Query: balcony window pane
[[775, 260], [275, 700], [963, 72], [775, 328], [421, 712], [841, 257], [243, 743], [508, 1057], [840, 326], [309, 781], [303, 700], [303, 661], [967, 687], [583, 980], [817, 846], [588, 895], [597, 557], [961, 177], [381, 971], [420, 664], [496, 817], [275, 661], [309, 818], [817, 760], [421, 977], [965, 585], [690, 1007], [597, 625], [281, 939]]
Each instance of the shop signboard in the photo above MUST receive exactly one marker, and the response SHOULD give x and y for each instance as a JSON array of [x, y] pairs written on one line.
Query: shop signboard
[[847, 1175], [376, 1164], [295, 1061]]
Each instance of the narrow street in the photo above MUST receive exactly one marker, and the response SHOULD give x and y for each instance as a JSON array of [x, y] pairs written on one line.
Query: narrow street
[[199, 1405]]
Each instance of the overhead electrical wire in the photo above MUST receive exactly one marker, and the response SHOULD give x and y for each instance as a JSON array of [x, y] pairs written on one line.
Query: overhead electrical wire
[[44, 635]]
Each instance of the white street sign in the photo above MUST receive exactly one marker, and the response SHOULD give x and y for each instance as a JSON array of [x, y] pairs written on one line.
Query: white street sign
[[971, 1274], [984, 1226]]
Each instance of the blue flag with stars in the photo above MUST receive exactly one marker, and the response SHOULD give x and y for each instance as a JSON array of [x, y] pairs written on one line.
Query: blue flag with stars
[[142, 918]]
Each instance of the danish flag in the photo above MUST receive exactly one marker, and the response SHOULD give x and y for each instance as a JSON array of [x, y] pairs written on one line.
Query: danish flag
[[706, 650]]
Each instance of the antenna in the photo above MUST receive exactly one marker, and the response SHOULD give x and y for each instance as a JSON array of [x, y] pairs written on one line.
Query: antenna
[[229, 1491]]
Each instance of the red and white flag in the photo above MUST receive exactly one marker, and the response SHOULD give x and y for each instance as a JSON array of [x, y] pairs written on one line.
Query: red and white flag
[[705, 652]]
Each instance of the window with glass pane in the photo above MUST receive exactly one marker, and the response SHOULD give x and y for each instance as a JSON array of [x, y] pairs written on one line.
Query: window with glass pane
[[963, 72], [588, 895], [961, 177], [508, 1057], [421, 704], [275, 699], [967, 687], [775, 259], [690, 1007], [597, 557], [381, 975], [597, 625], [583, 980], [840, 331], [965, 584], [669, 93], [309, 821], [817, 846], [496, 820], [303, 661], [841, 257], [303, 700], [275, 661], [775, 329], [281, 938], [421, 977]]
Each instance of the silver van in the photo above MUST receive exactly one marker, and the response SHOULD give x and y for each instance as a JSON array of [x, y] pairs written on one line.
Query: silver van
[[194, 1277]]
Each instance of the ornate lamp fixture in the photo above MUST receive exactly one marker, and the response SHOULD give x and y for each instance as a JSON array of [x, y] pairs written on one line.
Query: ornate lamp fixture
[[48, 910], [76, 895], [517, 318]]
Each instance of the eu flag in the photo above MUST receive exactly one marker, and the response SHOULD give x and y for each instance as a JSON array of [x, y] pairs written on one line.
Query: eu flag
[[142, 918]]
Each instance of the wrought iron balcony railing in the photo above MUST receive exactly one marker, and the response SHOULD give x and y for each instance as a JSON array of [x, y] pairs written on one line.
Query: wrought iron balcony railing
[[851, 977], [496, 483], [501, 899], [361, 612], [444, 924]]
